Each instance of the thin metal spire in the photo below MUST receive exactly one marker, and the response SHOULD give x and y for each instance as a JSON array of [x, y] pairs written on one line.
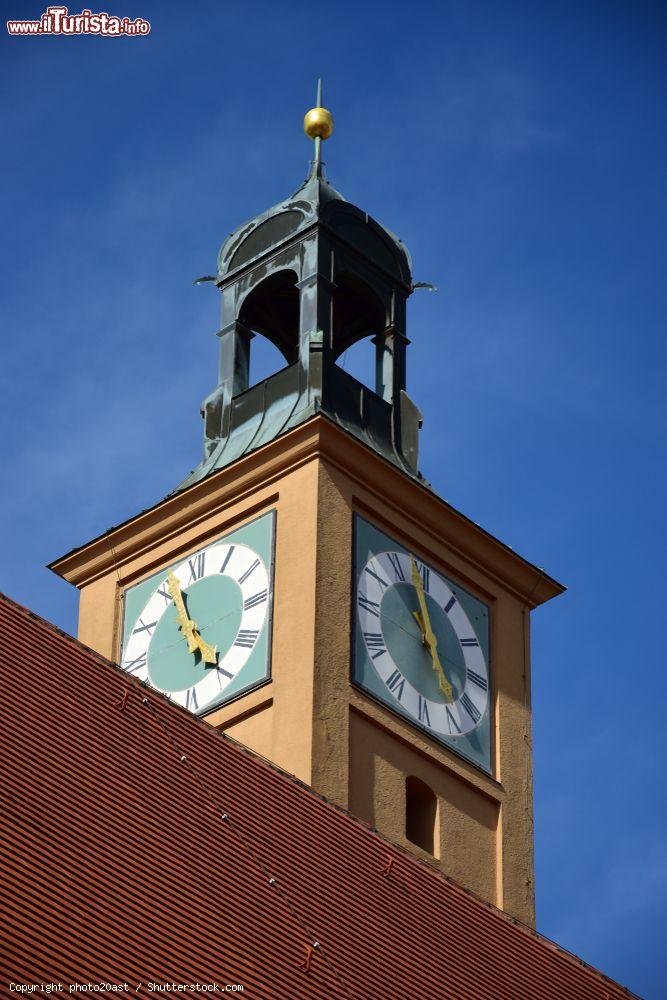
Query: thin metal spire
[[318, 139], [318, 125]]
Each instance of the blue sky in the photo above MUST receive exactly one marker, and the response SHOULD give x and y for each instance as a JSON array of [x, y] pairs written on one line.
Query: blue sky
[[519, 150]]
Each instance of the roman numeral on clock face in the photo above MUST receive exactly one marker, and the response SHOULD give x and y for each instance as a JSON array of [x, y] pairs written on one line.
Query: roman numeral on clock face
[[230, 552], [396, 566], [143, 627], [451, 721], [246, 638], [164, 594], [137, 664], [197, 567], [471, 709], [367, 605], [244, 577], [252, 602], [396, 683], [383, 583], [375, 641], [423, 711], [477, 679], [191, 699], [469, 642]]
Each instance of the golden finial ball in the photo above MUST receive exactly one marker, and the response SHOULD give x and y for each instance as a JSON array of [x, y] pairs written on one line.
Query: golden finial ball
[[318, 123]]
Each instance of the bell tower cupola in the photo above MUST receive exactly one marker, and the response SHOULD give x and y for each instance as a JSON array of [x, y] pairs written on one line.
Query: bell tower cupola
[[314, 275]]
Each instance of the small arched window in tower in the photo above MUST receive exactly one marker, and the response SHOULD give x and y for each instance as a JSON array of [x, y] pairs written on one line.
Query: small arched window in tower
[[421, 815]]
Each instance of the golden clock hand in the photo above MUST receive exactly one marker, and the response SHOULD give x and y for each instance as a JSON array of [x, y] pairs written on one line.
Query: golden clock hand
[[187, 626], [209, 654], [419, 587], [428, 635], [443, 683], [422, 616]]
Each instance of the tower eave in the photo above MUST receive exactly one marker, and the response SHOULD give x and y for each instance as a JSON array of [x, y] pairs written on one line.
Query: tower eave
[[317, 438]]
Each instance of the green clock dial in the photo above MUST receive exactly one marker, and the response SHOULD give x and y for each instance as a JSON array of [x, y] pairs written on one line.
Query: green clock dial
[[198, 630], [421, 644]]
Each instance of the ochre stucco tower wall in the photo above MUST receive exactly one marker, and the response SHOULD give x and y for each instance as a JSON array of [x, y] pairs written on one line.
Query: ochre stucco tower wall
[[310, 719]]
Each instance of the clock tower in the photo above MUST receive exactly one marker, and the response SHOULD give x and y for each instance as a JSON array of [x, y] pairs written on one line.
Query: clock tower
[[305, 590]]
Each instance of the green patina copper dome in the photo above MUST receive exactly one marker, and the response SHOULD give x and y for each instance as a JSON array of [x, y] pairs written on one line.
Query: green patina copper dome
[[315, 201]]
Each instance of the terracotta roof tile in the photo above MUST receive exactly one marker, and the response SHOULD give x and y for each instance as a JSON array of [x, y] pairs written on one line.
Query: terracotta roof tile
[[117, 865]]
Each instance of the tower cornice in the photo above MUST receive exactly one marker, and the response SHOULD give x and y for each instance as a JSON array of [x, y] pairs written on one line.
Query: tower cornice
[[416, 505]]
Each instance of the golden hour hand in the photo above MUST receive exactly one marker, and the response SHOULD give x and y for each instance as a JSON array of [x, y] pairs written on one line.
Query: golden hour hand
[[428, 635], [209, 654]]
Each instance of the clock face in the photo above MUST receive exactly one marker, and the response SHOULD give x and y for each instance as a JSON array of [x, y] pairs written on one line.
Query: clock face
[[421, 644], [199, 629]]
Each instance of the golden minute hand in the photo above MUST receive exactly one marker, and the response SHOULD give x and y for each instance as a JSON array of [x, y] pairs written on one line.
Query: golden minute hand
[[428, 635], [187, 626]]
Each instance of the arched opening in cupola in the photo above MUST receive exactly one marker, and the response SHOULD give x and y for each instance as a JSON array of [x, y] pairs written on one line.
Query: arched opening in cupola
[[271, 313], [358, 315]]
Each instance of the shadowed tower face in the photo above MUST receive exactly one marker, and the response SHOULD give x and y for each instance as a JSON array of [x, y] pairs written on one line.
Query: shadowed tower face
[[305, 591]]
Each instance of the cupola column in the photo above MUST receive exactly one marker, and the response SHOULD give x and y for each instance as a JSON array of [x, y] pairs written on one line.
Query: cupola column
[[235, 340], [390, 373], [315, 329], [233, 372], [390, 354]]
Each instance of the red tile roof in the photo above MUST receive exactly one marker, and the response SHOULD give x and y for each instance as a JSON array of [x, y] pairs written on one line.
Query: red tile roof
[[119, 866]]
